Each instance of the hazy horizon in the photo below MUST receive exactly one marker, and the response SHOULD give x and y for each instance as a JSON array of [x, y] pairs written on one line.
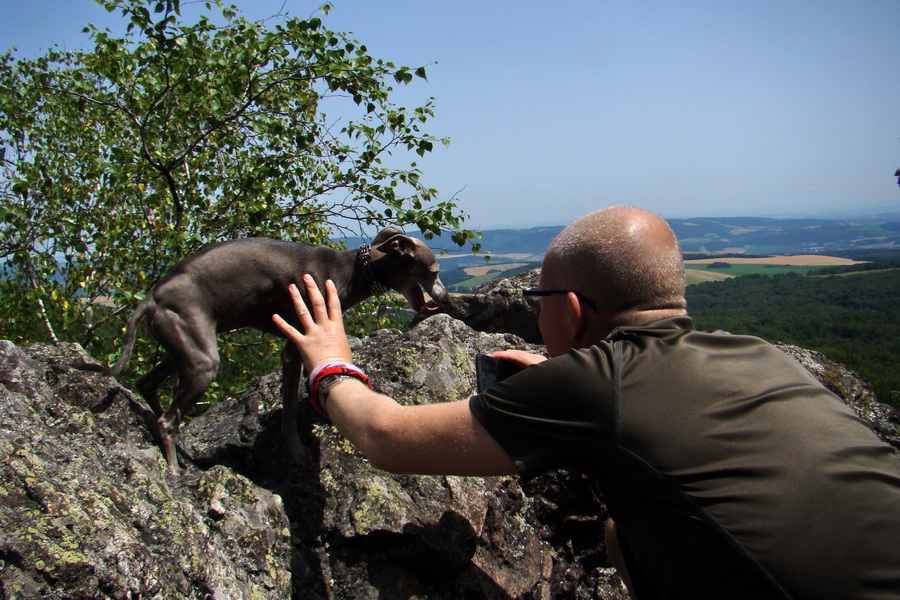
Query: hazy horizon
[[888, 213]]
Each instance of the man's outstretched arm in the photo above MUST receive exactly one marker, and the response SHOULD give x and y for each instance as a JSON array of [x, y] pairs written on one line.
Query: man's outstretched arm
[[442, 438]]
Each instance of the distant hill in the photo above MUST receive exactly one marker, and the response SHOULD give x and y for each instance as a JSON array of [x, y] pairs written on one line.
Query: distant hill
[[738, 235], [752, 235], [732, 236], [712, 235]]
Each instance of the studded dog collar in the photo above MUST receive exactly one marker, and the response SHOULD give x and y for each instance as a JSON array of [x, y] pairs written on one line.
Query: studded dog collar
[[365, 258]]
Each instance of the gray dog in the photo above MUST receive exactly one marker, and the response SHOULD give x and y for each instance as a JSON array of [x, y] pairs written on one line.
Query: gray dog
[[242, 283]]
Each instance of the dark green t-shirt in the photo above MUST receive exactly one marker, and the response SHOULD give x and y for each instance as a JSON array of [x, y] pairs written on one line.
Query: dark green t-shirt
[[730, 470]]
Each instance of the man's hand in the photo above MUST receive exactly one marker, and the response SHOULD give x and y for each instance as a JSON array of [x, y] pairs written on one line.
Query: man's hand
[[323, 338], [520, 358], [443, 438]]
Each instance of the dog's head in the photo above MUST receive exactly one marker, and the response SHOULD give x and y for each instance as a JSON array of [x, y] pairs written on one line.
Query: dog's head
[[408, 266]]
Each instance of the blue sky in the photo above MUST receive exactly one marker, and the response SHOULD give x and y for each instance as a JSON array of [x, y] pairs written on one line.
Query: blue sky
[[695, 108]]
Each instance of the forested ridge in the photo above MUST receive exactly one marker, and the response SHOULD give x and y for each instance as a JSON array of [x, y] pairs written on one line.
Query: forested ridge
[[853, 318]]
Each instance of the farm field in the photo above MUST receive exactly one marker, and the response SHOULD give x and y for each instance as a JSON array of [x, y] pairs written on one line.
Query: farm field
[[768, 265], [799, 260], [697, 270], [496, 269], [467, 278], [696, 275]]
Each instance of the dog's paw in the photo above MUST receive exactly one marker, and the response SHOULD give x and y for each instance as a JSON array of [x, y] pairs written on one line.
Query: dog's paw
[[177, 471]]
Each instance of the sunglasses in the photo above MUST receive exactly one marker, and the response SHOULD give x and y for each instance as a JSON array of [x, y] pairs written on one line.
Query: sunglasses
[[536, 292]]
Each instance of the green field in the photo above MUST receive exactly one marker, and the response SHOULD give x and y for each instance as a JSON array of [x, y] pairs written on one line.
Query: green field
[[738, 270], [456, 279]]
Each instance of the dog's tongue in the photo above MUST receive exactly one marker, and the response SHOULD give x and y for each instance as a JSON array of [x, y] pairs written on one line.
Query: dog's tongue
[[426, 306]]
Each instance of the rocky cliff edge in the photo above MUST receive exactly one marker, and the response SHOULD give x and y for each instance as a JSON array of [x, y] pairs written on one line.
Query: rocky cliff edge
[[88, 510]]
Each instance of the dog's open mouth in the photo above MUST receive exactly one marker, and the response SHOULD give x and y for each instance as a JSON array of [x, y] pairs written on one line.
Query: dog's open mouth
[[423, 305]]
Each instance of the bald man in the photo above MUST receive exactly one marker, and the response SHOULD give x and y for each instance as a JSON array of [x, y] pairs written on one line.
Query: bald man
[[729, 471]]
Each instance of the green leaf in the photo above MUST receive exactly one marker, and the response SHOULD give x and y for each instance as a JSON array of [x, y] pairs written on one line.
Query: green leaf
[[184, 132]]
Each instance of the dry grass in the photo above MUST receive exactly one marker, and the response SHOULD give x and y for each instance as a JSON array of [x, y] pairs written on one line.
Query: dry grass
[[801, 260], [693, 276], [485, 269]]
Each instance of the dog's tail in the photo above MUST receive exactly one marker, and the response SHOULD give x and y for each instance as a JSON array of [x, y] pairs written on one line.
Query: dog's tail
[[130, 336]]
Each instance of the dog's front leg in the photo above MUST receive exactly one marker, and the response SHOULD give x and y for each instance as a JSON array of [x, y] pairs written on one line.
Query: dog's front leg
[[291, 377]]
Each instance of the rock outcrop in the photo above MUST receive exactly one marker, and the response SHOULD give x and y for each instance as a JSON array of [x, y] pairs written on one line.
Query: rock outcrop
[[88, 510], [498, 306]]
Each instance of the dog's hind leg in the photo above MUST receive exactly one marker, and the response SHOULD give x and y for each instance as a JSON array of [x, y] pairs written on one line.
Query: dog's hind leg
[[191, 349], [192, 384], [291, 377], [148, 384]]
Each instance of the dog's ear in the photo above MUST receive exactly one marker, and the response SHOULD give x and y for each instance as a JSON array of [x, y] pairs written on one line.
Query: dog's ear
[[384, 235], [398, 244]]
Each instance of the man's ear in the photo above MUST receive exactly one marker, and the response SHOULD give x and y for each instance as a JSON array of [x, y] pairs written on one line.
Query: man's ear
[[577, 319]]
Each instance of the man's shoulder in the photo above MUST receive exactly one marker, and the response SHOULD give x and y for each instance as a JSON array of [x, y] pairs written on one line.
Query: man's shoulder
[[662, 328]]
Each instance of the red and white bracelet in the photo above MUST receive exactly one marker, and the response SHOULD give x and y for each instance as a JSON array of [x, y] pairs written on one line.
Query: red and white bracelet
[[326, 375]]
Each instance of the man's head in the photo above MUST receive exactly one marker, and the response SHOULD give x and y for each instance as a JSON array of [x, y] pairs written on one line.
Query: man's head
[[625, 260]]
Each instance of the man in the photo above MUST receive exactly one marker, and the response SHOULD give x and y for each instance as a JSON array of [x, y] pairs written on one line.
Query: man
[[728, 470]]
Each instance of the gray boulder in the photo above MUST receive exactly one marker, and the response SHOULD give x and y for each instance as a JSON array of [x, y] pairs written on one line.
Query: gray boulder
[[364, 533], [87, 510], [498, 306]]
